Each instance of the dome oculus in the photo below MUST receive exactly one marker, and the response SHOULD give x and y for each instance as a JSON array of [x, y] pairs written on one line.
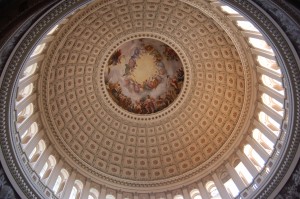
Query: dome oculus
[[144, 76]]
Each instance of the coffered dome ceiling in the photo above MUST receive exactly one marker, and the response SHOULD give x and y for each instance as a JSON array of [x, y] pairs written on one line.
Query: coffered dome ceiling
[[150, 99], [107, 122]]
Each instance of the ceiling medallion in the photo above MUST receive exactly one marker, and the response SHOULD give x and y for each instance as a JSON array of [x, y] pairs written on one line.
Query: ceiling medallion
[[144, 76]]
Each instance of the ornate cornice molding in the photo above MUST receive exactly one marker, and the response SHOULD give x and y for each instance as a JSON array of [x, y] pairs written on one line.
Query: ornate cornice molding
[[281, 43]]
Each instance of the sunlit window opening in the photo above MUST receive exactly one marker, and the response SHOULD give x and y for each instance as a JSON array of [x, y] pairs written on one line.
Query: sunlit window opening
[[61, 181], [266, 144], [25, 92], [48, 167], [110, 197], [269, 122], [178, 197], [272, 103], [38, 49], [268, 63], [76, 190], [57, 183], [244, 173], [94, 193], [29, 133], [260, 44], [231, 188], [197, 197], [30, 70], [273, 84], [254, 157], [25, 113], [53, 30], [228, 10], [37, 151], [212, 190], [45, 167], [195, 194], [246, 25]]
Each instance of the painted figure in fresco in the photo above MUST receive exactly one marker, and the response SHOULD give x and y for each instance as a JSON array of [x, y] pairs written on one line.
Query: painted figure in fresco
[[115, 90], [160, 103], [170, 53], [132, 62], [136, 54], [115, 58], [148, 48], [137, 107], [149, 104], [161, 68], [173, 82], [137, 87], [180, 74]]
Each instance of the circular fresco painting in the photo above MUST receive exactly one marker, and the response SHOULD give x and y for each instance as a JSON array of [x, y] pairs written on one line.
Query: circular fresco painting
[[144, 76]]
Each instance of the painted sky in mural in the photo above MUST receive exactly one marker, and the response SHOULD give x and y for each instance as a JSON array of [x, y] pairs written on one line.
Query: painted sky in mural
[[144, 76]]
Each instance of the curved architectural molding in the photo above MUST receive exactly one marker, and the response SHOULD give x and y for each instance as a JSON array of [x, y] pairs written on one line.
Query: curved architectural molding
[[279, 163]]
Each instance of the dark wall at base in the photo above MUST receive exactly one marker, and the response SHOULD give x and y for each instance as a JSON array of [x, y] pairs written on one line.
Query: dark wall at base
[[6, 189]]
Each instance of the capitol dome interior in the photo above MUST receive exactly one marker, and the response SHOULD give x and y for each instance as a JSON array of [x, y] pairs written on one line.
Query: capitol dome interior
[[151, 99]]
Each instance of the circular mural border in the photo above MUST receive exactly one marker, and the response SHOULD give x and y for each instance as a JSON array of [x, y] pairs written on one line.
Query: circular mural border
[[149, 117]]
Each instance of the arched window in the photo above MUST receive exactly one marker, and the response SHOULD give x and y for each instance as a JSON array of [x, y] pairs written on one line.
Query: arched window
[[37, 151], [273, 84], [25, 113], [76, 190], [61, 181], [246, 25], [57, 184], [38, 49], [272, 103], [29, 133], [244, 173], [263, 140], [260, 44], [94, 193], [25, 92], [254, 157], [29, 70], [197, 197], [178, 197], [268, 63], [269, 122], [195, 194], [53, 30], [45, 167], [231, 188], [212, 189], [110, 197], [228, 10], [48, 167]]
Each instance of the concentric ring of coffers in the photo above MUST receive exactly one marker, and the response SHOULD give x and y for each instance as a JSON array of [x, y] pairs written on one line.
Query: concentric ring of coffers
[[174, 145]]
